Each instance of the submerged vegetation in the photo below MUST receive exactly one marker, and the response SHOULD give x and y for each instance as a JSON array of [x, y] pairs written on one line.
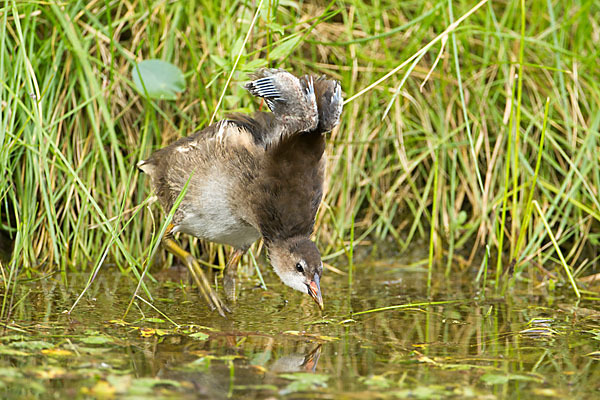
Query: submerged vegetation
[[481, 140]]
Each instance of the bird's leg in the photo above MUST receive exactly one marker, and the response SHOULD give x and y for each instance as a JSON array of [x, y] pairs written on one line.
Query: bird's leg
[[229, 278], [213, 300]]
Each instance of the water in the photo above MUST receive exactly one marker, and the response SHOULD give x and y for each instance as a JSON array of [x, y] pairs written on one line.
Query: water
[[530, 343]]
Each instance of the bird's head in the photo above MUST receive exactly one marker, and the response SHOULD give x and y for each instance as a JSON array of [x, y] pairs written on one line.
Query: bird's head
[[298, 263]]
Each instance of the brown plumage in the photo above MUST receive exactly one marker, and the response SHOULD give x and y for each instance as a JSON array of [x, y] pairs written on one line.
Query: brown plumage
[[257, 176]]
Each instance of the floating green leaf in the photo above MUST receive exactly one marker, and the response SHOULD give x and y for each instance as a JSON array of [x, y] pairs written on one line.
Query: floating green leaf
[[261, 358], [199, 336], [7, 351], [303, 381], [32, 345], [97, 339], [155, 320], [10, 373], [499, 379], [423, 392], [159, 79], [379, 381], [145, 386]]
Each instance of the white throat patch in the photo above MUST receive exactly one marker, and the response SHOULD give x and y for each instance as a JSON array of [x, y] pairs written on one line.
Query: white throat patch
[[293, 279]]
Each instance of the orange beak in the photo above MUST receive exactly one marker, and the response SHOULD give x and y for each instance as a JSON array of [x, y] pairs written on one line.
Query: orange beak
[[314, 290]]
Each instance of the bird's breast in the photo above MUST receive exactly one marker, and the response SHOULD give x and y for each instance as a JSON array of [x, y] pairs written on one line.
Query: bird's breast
[[208, 212], [219, 226]]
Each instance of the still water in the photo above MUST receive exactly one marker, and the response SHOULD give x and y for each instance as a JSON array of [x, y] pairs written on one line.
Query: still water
[[528, 343]]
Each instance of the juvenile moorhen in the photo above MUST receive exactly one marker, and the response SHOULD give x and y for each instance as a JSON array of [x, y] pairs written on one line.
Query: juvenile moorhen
[[251, 177]]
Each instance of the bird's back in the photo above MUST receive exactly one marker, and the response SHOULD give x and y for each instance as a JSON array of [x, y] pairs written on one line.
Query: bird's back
[[251, 175]]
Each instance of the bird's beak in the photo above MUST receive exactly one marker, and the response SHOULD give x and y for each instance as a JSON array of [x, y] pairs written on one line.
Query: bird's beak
[[314, 289]]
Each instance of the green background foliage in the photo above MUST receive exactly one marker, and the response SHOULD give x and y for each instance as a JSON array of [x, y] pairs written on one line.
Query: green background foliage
[[447, 150]]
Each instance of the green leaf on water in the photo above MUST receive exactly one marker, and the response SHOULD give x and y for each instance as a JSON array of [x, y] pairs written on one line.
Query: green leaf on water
[[9, 338], [33, 386], [242, 388], [144, 386], [226, 358], [118, 322], [161, 79], [195, 328], [499, 379], [8, 351], [121, 384], [378, 381], [422, 392], [322, 321], [155, 320], [261, 358], [95, 351], [165, 300], [312, 336], [495, 379], [304, 381], [201, 364], [199, 336], [97, 339], [117, 383], [10, 373], [32, 345]]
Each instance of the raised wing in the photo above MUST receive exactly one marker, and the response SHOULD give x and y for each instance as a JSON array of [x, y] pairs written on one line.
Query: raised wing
[[329, 103], [291, 99]]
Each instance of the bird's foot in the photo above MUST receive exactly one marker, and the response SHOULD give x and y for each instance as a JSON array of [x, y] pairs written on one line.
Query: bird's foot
[[230, 276], [209, 294], [212, 298], [229, 285]]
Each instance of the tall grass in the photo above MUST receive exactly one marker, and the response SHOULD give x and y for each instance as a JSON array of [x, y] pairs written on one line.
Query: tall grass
[[469, 112]]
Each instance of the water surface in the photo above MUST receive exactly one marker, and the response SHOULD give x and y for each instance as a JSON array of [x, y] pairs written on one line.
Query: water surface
[[529, 343]]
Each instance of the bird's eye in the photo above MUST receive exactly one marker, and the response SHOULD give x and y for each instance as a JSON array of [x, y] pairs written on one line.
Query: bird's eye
[[299, 268]]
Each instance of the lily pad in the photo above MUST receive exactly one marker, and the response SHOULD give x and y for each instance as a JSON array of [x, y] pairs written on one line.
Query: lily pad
[[158, 79]]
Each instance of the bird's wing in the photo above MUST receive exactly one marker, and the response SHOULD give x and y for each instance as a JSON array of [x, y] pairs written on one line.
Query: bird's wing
[[291, 99], [328, 94], [170, 167], [305, 104]]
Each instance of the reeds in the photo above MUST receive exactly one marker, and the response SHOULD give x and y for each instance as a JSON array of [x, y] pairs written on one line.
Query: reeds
[[458, 161]]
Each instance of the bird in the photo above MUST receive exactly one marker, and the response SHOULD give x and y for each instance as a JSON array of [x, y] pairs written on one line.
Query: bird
[[253, 176]]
